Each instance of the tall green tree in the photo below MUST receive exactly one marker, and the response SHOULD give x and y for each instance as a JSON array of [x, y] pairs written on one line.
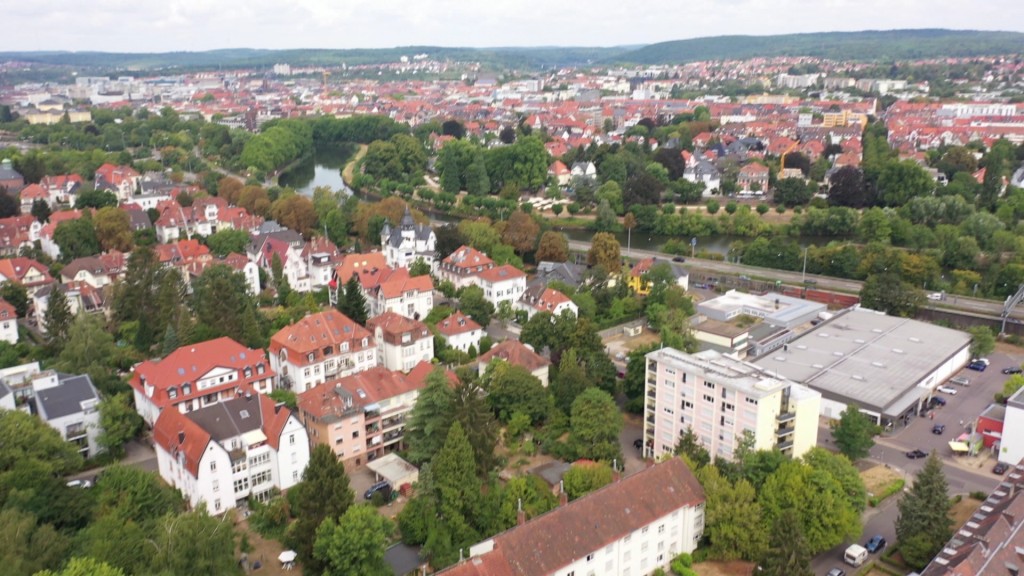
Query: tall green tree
[[119, 422], [570, 382], [57, 319], [788, 553], [982, 340], [456, 493], [469, 406], [842, 470], [512, 389], [135, 495], [923, 525], [16, 295], [583, 478], [473, 304], [733, 521], [76, 238], [84, 567], [888, 293], [27, 438], [353, 304], [27, 546], [531, 493], [594, 426], [323, 493], [194, 543], [90, 349], [430, 418], [223, 307], [854, 433], [354, 543]]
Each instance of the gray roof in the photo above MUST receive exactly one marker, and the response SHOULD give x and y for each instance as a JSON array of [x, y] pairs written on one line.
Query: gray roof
[[7, 171], [225, 420], [571, 274], [552, 472], [4, 389], [66, 398], [868, 358]]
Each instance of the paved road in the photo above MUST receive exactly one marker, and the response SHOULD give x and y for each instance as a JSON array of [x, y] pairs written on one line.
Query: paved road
[[709, 267]]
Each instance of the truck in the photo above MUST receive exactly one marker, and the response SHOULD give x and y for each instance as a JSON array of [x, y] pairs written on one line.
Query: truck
[[855, 555]]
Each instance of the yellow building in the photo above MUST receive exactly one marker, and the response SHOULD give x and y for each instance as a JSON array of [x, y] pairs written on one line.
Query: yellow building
[[638, 282]]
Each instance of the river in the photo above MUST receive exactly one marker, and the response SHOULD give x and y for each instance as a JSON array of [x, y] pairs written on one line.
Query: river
[[324, 169]]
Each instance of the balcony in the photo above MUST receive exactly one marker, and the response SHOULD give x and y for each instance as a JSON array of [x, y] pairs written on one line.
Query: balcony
[[373, 428], [394, 435], [393, 421], [649, 431], [75, 431], [650, 419], [785, 431], [651, 393], [784, 446], [785, 417], [371, 415]]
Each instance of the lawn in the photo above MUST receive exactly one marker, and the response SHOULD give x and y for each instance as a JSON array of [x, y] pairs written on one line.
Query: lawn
[[877, 478], [732, 568]]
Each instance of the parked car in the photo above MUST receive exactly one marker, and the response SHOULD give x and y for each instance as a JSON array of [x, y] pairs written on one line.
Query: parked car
[[982, 360], [876, 544], [1013, 370], [80, 484], [960, 381], [1001, 468], [935, 296], [638, 443], [679, 259], [836, 572], [383, 486], [915, 454], [937, 401], [947, 390], [938, 429], [979, 366]]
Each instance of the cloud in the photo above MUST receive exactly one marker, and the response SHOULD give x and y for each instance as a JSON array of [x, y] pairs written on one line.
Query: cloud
[[156, 26]]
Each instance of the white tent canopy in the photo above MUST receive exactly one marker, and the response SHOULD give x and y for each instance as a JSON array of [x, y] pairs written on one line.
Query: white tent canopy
[[396, 471]]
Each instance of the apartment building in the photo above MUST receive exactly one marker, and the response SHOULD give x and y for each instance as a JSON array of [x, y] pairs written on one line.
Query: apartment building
[[225, 453], [70, 405], [630, 527], [464, 266], [721, 399], [320, 347], [402, 342], [362, 416], [199, 375]]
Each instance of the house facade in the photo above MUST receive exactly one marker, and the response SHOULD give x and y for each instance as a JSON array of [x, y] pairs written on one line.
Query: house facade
[[408, 242], [321, 347], [540, 298], [223, 454], [8, 322], [410, 297], [504, 283], [721, 399], [402, 342], [460, 331], [199, 375], [463, 267], [70, 405]]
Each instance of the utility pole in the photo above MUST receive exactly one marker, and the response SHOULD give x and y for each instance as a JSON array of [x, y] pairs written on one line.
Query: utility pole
[[804, 278]]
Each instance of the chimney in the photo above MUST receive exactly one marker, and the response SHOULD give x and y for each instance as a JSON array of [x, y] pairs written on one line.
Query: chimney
[[563, 498], [520, 514], [616, 474]]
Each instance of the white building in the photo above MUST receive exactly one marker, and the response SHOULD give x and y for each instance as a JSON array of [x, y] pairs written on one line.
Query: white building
[[411, 297], [70, 405], [464, 266], [1011, 445], [460, 331], [222, 454], [402, 342], [504, 283], [721, 399], [8, 322], [409, 242], [540, 298], [321, 347], [632, 526]]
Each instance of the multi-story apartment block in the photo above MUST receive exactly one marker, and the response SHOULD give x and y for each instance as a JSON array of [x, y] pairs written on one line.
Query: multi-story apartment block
[[362, 417], [225, 453], [70, 405], [321, 347], [402, 342], [721, 399], [632, 526], [464, 266], [199, 375]]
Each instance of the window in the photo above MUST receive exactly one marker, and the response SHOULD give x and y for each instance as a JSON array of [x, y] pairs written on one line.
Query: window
[[687, 405], [590, 557], [186, 389], [295, 475], [261, 478], [291, 439], [644, 531], [216, 486], [216, 504], [709, 385], [355, 434], [310, 357], [752, 401], [728, 407], [259, 459], [239, 466], [661, 529], [172, 392], [709, 398], [241, 485], [213, 466], [669, 410]]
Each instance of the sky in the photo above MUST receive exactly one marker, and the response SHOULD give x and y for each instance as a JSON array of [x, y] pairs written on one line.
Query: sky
[[195, 25]]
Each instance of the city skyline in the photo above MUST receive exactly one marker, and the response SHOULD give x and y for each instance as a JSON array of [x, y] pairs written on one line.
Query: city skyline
[[194, 25]]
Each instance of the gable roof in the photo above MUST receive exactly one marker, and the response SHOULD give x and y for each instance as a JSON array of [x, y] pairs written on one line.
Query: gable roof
[[315, 332], [502, 273], [517, 353], [457, 323], [467, 257], [177, 434], [337, 398], [394, 325], [66, 397], [556, 539]]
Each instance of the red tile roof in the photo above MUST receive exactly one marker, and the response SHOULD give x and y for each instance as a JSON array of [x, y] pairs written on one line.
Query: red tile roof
[[365, 388], [457, 323], [502, 273], [395, 287], [515, 352], [315, 332], [394, 325], [467, 258], [175, 433], [556, 539]]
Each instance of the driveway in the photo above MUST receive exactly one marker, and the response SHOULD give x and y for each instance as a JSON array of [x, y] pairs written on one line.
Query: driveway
[[631, 430]]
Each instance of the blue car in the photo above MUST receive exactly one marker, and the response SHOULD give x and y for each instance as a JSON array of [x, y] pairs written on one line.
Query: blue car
[[876, 544], [979, 366]]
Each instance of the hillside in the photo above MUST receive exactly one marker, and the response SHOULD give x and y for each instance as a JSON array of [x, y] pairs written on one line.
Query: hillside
[[867, 45]]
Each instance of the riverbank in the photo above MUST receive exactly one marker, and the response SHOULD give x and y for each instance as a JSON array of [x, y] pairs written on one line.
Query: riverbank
[[349, 170]]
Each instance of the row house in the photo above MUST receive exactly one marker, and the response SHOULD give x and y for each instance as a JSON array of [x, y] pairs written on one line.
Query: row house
[[199, 375], [408, 242], [464, 266], [635, 525], [96, 271], [540, 298], [402, 342], [8, 322], [25, 271], [224, 454], [504, 283], [123, 181], [362, 417], [460, 331], [82, 298], [321, 347]]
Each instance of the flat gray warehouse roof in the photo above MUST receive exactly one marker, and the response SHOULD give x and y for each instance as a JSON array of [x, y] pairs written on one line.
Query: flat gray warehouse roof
[[867, 357]]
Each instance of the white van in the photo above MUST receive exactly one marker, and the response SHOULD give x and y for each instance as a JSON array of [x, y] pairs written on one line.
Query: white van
[[855, 555]]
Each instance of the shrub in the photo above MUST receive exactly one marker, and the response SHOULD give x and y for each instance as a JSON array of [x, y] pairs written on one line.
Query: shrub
[[979, 495], [890, 489], [712, 207], [731, 207], [269, 520], [780, 209], [763, 209]]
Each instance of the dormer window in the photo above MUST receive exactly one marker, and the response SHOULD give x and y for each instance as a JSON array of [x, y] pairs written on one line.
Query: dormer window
[[172, 392], [248, 372], [365, 342], [186, 389], [310, 357], [344, 346]]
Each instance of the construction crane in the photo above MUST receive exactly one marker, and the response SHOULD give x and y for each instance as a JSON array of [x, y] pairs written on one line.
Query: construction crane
[[326, 76], [782, 159]]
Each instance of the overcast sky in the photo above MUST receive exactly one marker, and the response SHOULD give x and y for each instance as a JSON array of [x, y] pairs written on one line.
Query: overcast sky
[[172, 25]]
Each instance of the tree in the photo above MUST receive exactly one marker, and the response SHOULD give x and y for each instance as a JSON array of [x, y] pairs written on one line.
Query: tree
[[733, 521], [57, 319], [323, 493], [886, 292], [692, 449], [792, 192], [1010, 387], [95, 199], [849, 189], [134, 495], [511, 389], [455, 493], [194, 543], [605, 252], [113, 229], [520, 232], [788, 553], [582, 478], [570, 382], [553, 247], [89, 349], [354, 543], [27, 438], [530, 493], [419, 268], [473, 304], [470, 408], [16, 295], [226, 241], [923, 521], [119, 422], [41, 210], [295, 211], [353, 304], [854, 433], [430, 418], [84, 567], [595, 425], [76, 238], [223, 307], [26, 546], [606, 219], [901, 181], [983, 342]]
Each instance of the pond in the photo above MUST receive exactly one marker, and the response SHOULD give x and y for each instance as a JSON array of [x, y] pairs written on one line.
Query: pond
[[322, 168]]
